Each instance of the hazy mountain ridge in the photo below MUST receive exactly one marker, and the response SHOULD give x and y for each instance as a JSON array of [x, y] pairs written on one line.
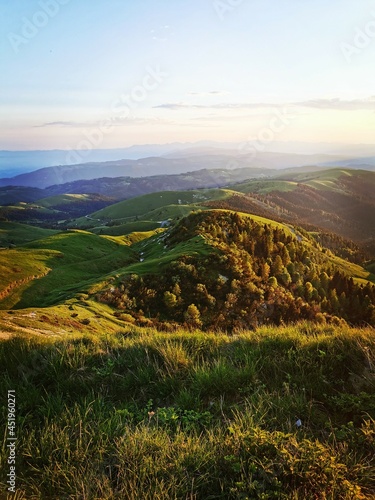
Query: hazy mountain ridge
[[179, 162], [121, 188], [16, 162]]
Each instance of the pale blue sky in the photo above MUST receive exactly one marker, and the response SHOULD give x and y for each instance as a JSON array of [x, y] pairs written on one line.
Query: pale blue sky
[[223, 71]]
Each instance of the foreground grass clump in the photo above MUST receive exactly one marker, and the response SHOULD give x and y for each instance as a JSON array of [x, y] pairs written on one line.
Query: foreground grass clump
[[192, 415]]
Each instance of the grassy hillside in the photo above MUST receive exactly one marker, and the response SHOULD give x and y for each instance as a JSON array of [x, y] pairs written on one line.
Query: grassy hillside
[[238, 270], [11, 195], [13, 233], [135, 413], [265, 186], [75, 315], [222, 269], [147, 212], [336, 200], [149, 202], [52, 269], [340, 201], [65, 201], [55, 209], [127, 228], [332, 178]]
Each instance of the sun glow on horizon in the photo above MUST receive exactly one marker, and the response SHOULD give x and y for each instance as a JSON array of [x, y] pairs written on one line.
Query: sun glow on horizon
[[120, 73]]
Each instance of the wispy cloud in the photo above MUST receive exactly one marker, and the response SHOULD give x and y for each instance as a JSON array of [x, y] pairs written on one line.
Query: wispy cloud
[[210, 93], [332, 104], [339, 104], [114, 122], [182, 105], [61, 124]]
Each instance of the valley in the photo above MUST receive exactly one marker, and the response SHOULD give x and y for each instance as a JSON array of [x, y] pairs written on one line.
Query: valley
[[289, 231], [193, 327]]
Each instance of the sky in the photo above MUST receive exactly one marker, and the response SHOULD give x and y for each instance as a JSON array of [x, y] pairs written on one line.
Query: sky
[[78, 74]]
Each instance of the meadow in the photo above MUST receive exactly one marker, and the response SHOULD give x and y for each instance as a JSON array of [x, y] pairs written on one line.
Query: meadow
[[136, 413]]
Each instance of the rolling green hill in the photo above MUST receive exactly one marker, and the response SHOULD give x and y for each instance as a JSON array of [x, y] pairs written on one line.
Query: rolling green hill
[[275, 261], [12, 233], [55, 209], [149, 211], [12, 195], [150, 202], [69, 199], [52, 269], [233, 270], [265, 186], [340, 201], [335, 200]]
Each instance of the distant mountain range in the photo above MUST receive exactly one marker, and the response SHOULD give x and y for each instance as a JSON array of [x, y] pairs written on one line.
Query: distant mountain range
[[14, 163], [182, 161], [120, 188]]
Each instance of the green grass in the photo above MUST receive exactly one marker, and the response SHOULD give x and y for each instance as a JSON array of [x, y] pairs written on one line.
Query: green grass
[[357, 272], [329, 179], [172, 212], [150, 202], [77, 315], [132, 238], [262, 220], [18, 234], [332, 179], [18, 269], [136, 413], [63, 199], [265, 186], [53, 269], [156, 257], [37, 209], [127, 229], [58, 265], [149, 221]]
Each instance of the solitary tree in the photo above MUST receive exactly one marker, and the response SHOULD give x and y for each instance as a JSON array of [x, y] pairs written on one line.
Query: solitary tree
[[193, 316]]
